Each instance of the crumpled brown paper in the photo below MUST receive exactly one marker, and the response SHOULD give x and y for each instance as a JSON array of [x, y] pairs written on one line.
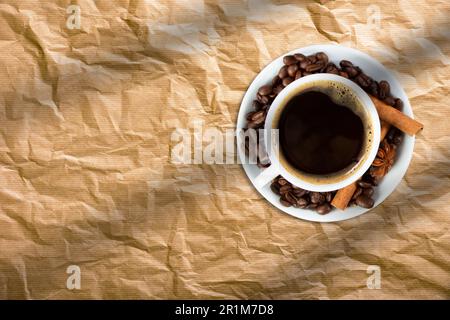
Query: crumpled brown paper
[[86, 174]]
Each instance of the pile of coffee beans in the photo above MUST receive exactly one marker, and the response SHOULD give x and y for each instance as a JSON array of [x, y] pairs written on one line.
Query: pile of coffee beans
[[291, 195], [297, 66]]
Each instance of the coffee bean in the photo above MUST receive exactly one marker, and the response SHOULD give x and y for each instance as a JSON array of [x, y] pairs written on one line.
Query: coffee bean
[[285, 188], [292, 69], [329, 196], [254, 125], [306, 73], [256, 115], [373, 89], [314, 67], [276, 80], [368, 191], [362, 80], [385, 89], [282, 182], [265, 90], [323, 208], [343, 74], [275, 188], [390, 101], [298, 74], [299, 192], [283, 73], [398, 138], [290, 198], [250, 114], [331, 68], [351, 71], [398, 104], [302, 202], [299, 57], [345, 63], [317, 197], [256, 105], [312, 58], [304, 63], [364, 184], [321, 56], [263, 99], [278, 89], [312, 206], [357, 193], [287, 81], [364, 201], [288, 60], [285, 203]]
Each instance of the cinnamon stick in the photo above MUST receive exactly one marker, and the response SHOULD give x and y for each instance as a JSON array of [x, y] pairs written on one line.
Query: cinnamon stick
[[343, 196], [396, 118]]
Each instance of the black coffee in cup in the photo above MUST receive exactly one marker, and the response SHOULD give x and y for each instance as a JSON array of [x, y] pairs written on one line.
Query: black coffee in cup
[[320, 136]]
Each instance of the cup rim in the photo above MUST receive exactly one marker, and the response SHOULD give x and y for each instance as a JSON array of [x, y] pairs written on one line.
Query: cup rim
[[366, 102]]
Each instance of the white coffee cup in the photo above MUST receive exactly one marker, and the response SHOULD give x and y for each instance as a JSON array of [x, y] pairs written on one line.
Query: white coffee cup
[[318, 183]]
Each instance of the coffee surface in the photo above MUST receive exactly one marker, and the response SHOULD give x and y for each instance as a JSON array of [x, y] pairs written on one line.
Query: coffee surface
[[318, 136]]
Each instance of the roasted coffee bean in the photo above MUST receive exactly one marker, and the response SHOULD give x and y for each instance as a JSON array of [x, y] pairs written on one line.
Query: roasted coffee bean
[[345, 64], [363, 80], [292, 69], [368, 191], [276, 80], [317, 197], [351, 71], [278, 89], [343, 74], [290, 198], [331, 68], [364, 184], [298, 74], [287, 81], [357, 193], [385, 89], [250, 114], [254, 125], [302, 202], [312, 58], [304, 63], [398, 104], [312, 206], [321, 56], [263, 99], [285, 188], [323, 208], [373, 89], [364, 201], [299, 192], [300, 57], [306, 73], [314, 67], [265, 90], [282, 182], [285, 203], [275, 188], [398, 138], [256, 105], [329, 196], [390, 101], [283, 73], [256, 115], [288, 60]]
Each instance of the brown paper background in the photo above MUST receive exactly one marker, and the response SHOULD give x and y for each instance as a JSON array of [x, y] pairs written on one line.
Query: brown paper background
[[86, 118]]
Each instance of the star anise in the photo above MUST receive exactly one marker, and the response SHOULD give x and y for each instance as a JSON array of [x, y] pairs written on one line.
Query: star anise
[[383, 161]]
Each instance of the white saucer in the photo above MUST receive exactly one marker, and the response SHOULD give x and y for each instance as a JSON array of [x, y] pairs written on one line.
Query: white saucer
[[372, 68]]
